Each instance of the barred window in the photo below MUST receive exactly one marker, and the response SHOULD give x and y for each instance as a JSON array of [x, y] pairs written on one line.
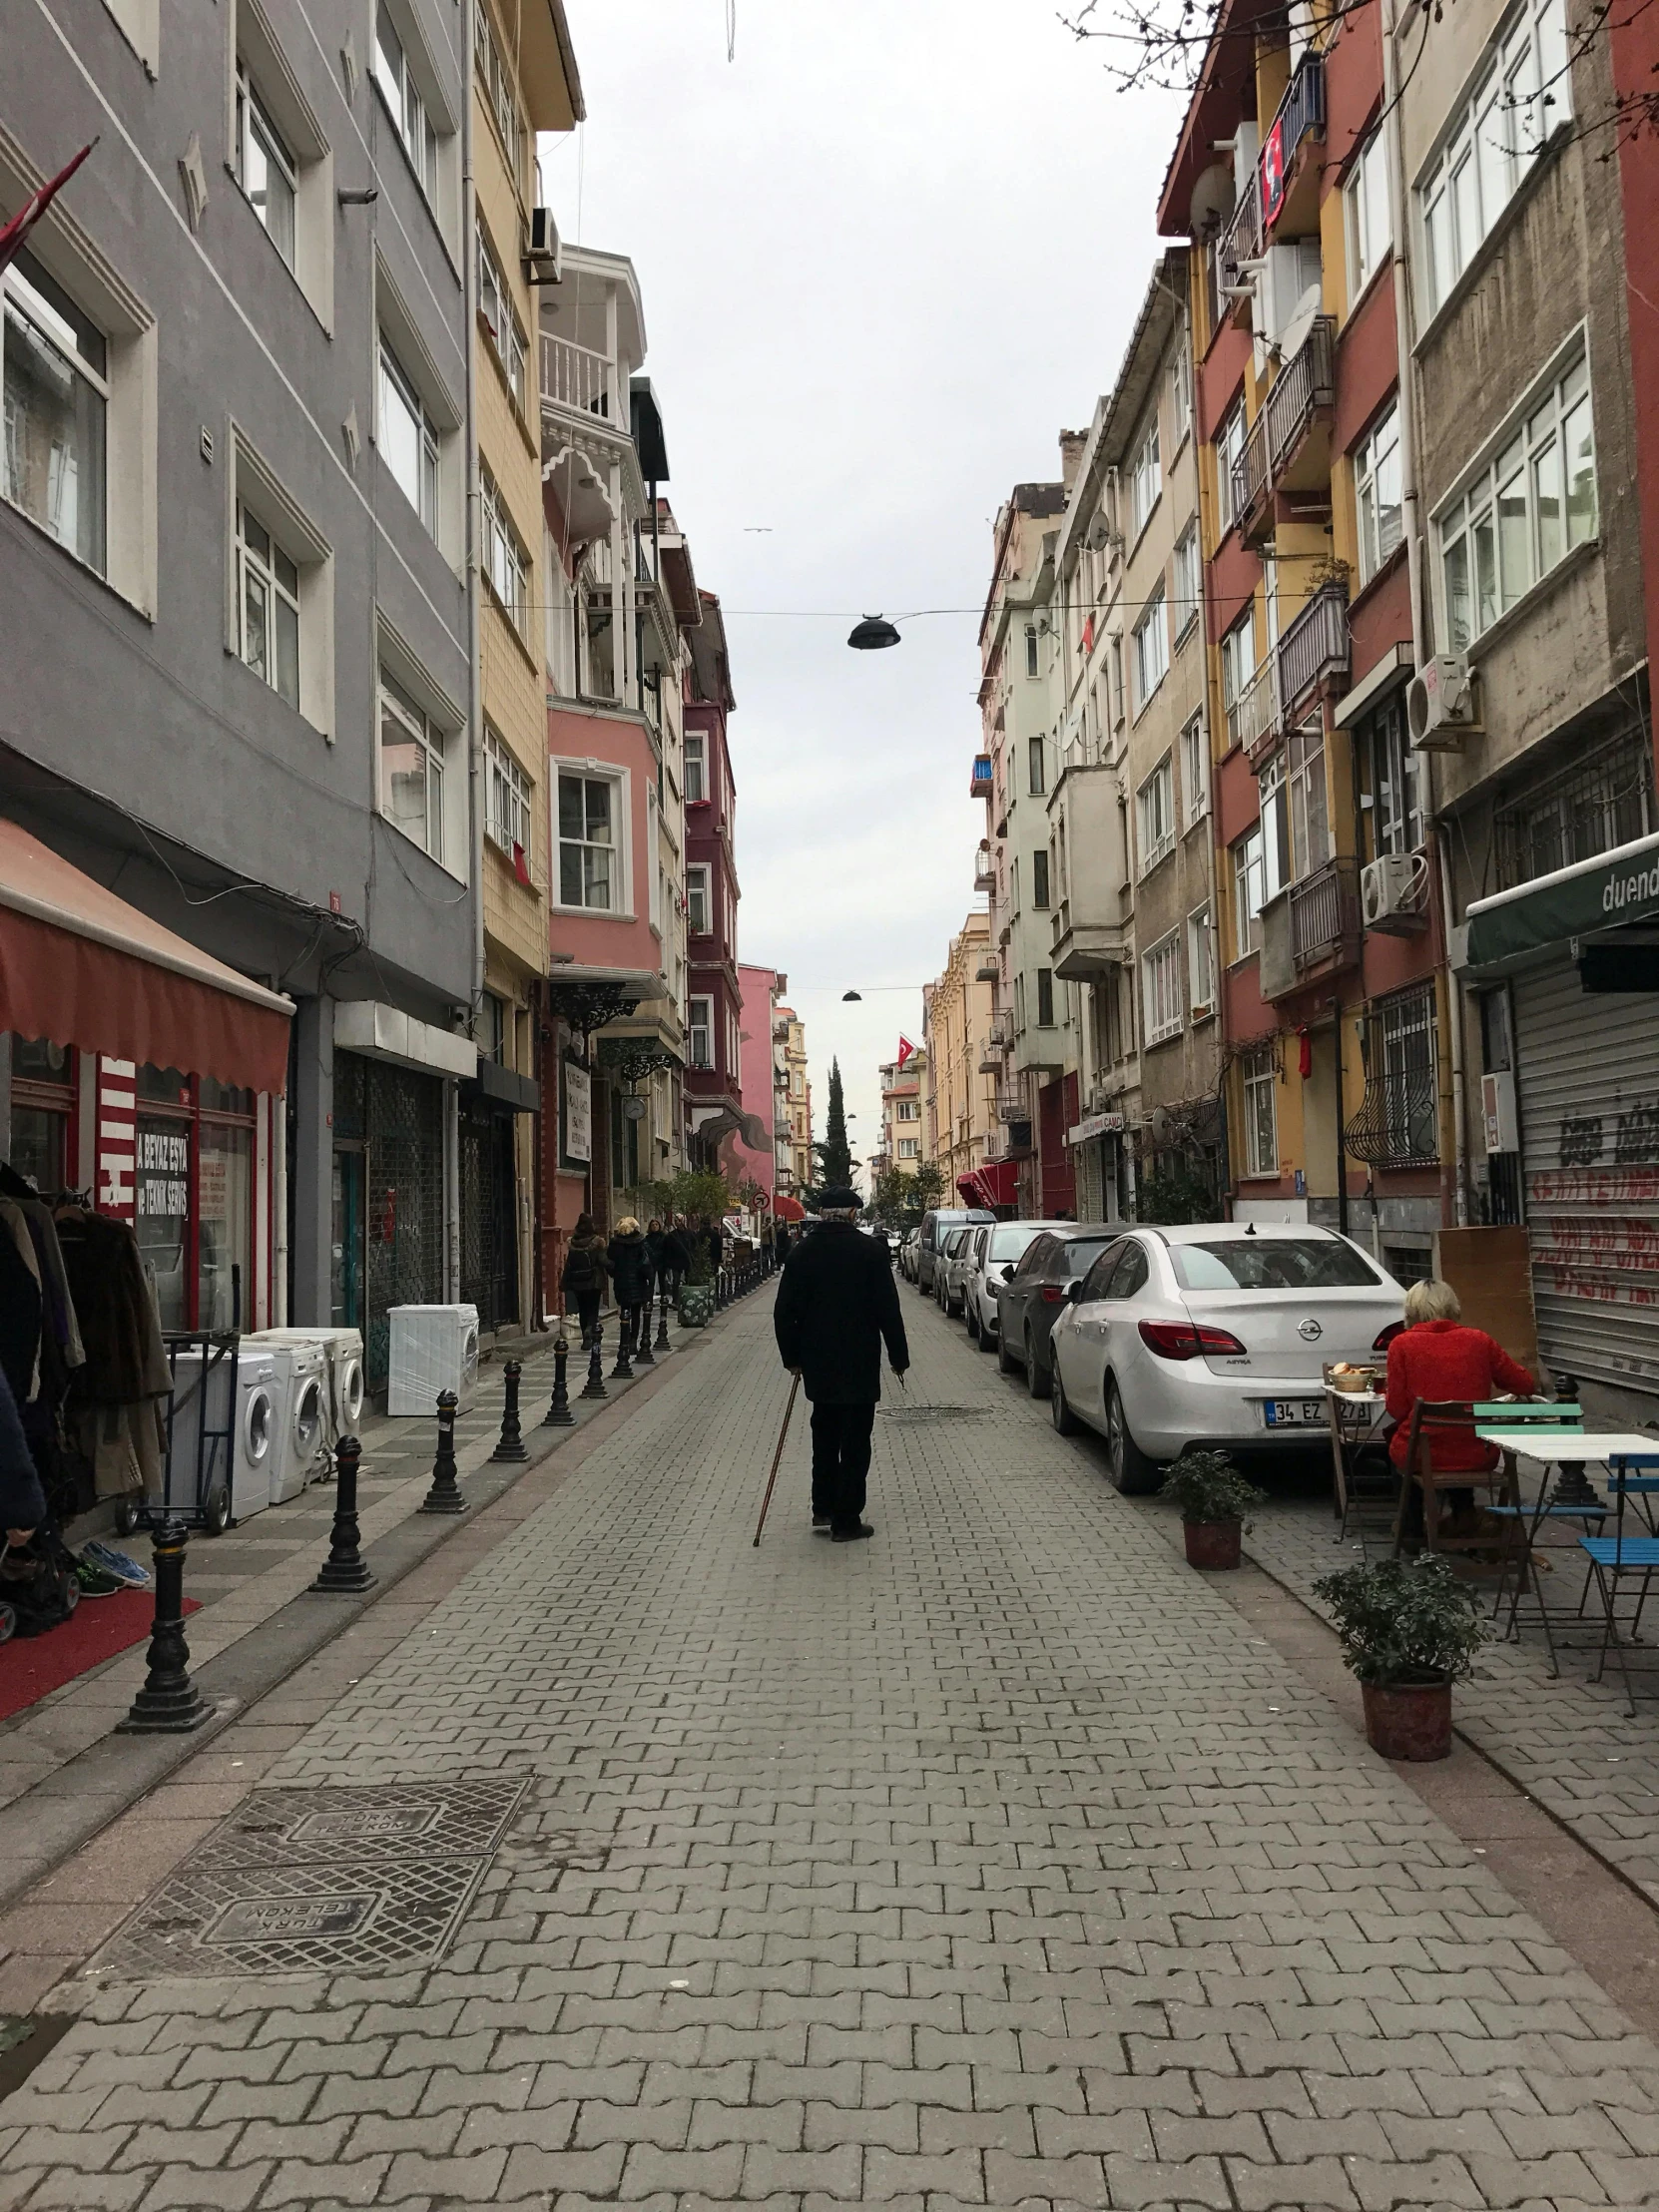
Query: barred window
[[1397, 1124]]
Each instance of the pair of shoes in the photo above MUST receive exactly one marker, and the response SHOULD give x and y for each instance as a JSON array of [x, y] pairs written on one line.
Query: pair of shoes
[[851, 1535], [121, 1564], [819, 1520], [95, 1581]]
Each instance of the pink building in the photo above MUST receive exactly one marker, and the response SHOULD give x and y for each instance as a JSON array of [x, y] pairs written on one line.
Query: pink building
[[760, 990]]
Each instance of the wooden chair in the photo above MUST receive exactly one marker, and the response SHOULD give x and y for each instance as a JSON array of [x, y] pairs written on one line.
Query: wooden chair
[[1432, 1418]]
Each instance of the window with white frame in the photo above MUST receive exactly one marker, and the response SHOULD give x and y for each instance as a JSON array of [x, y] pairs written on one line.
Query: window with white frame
[[1161, 991], [404, 104], [54, 381], [1230, 445], [1390, 782], [1369, 221], [1261, 1118], [495, 305], [1030, 648], [409, 440], [590, 830], [910, 1148], [1151, 649], [910, 1110], [266, 169], [1376, 491], [508, 816], [1195, 769], [1181, 386], [1155, 814], [1238, 666], [1189, 580], [1250, 890], [1201, 962], [699, 906], [506, 563], [697, 767], [1146, 477], [1045, 998], [1524, 510], [267, 606], [1309, 812], [1522, 97], [1036, 767], [412, 751], [496, 84], [700, 1032]]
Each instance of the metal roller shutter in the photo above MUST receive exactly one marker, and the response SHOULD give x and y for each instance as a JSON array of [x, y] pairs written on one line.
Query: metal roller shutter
[[1588, 1091]]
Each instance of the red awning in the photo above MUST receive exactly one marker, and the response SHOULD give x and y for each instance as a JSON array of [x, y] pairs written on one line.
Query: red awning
[[82, 967], [995, 1184], [787, 1209]]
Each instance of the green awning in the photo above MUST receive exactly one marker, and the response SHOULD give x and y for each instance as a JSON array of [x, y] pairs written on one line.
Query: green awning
[[1576, 901]]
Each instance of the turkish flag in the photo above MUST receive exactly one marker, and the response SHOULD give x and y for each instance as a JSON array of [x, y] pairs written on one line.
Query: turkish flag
[[906, 1048], [13, 233]]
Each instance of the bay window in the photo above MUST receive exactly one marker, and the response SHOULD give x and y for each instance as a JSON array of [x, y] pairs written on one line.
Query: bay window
[[699, 908], [700, 1032], [55, 389]]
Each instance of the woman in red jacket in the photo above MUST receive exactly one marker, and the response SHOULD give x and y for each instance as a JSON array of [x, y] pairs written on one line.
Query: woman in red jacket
[[1436, 1358]]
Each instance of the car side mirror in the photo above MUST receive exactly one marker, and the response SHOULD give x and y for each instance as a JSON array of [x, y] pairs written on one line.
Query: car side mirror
[[1074, 1290]]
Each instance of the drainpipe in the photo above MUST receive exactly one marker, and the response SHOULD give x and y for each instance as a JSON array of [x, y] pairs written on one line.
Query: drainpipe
[[1342, 1150], [474, 533]]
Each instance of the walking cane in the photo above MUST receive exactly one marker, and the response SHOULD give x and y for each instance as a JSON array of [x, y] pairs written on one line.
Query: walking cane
[[777, 1461]]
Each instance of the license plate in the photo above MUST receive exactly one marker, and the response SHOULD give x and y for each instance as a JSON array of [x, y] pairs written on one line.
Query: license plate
[[1294, 1413]]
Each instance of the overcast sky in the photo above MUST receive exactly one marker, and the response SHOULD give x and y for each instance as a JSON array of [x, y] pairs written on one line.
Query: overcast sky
[[886, 254]]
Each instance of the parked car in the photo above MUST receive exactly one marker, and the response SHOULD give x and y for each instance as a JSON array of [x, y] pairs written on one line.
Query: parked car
[[996, 1252], [907, 1255], [951, 1274], [934, 1223], [1216, 1334], [1029, 1301]]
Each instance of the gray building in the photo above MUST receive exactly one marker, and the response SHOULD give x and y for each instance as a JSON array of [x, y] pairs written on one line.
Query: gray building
[[236, 658]]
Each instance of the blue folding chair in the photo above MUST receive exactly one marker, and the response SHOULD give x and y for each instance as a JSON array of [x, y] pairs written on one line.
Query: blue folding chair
[[1618, 1555], [1551, 1504]]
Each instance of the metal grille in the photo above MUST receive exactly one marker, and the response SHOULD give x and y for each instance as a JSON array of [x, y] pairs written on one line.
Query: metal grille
[[1397, 1124], [1589, 808], [404, 1122]]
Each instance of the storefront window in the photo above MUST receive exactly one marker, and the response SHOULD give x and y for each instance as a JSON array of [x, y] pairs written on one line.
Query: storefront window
[[42, 1095], [160, 1190], [226, 1186], [193, 1190]]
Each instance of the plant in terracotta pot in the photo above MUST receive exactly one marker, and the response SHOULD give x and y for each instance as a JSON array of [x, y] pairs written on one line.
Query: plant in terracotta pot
[[1409, 1629], [1213, 1498]]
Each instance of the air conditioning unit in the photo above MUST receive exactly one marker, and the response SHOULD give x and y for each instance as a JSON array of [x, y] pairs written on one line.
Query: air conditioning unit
[[1394, 893], [1440, 704], [546, 255]]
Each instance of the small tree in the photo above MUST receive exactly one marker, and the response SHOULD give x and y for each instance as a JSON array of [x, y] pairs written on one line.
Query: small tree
[[900, 1200], [835, 1155]]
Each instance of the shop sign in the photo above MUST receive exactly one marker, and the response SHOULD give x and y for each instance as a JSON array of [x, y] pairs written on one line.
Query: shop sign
[[578, 1088], [1095, 1125], [163, 1175], [1594, 894], [117, 1121]]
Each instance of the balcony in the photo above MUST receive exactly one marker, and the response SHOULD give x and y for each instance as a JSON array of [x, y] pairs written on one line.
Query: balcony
[[1253, 718], [1290, 189], [1001, 1034], [578, 379], [987, 971], [979, 781], [1243, 239], [1311, 928], [1087, 945], [1284, 472], [984, 875], [1011, 1104], [1314, 650]]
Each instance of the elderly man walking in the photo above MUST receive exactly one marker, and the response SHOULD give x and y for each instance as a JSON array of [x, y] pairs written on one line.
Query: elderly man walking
[[837, 1303]]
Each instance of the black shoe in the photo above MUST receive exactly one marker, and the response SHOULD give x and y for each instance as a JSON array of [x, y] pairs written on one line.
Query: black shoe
[[819, 1520], [851, 1535]]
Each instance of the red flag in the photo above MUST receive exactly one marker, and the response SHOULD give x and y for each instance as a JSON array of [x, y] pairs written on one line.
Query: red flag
[[906, 1048], [1088, 635], [17, 230]]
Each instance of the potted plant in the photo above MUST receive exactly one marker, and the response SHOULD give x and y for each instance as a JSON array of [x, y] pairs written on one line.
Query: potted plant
[[1409, 1629], [1213, 1498]]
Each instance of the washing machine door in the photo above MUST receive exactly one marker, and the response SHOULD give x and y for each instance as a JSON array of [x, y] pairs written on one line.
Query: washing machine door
[[349, 1384], [259, 1428], [469, 1363], [309, 1416]]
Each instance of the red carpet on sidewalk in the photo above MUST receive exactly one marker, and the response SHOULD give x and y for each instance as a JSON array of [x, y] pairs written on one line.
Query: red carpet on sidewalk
[[99, 1627]]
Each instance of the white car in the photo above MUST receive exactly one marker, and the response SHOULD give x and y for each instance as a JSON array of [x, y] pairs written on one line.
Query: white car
[[948, 1268], [1216, 1334], [996, 1253]]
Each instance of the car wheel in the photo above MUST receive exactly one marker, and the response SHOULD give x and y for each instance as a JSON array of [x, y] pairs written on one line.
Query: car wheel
[[1005, 1364], [971, 1317], [1132, 1471], [1066, 1422], [1036, 1375], [988, 1337]]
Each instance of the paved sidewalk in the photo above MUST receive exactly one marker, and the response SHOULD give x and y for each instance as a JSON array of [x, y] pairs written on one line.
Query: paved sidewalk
[[992, 1861]]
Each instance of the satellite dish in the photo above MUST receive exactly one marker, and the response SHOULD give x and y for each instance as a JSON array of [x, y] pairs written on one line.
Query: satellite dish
[[1295, 333], [1214, 197]]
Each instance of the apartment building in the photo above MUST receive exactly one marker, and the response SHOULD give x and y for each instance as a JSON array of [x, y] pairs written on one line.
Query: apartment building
[[960, 1101], [796, 1168], [903, 1142], [755, 1165]]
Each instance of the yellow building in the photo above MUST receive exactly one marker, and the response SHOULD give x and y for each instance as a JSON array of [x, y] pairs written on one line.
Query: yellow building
[[962, 1064]]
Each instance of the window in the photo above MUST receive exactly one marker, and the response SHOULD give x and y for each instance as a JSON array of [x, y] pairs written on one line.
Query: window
[[1030, 648], [1249, 1263], [1201, 965], [910, 1148], [1391, 794], [1146, 478], [1161, 991], [1238, 666], [588, 874], [495, 305], [267, 172], [508, 816], [1155, 813], [1523, 96], [1524, 511], [1189, 580], [408, 440], [1045, 998], [1309, 814], [53, 379], [1406, 1028], [1117, 679], [1376, 492], [403, 97], [497, 87], [1261, 1130], [1036, 767], [267, 606], [1230, 445], [698, 905], [1195, 769], [506, 563], [1250, 890], [908, 1110], [1370, 225], [1151, 643], [1039, 877], [1181, 386], [696, 788], [411, 769], [701, 1032]]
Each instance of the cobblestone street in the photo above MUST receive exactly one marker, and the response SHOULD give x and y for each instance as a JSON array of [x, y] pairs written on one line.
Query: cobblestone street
[[996, 1862]]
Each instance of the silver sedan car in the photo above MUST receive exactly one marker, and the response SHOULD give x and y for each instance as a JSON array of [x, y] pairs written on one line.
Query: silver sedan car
[[996, 1252], [950, 1267], [1215, 1334]]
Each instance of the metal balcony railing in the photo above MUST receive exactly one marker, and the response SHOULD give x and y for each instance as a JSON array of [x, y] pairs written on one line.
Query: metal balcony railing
[[979, 779], [1251, 472], [1010, 1103], [1324, 915], [984, 875], [575, 376], [1314, 647], [1301, 114], [1254, 714], [1305, 384], [1241, 241], [1001, 1034]]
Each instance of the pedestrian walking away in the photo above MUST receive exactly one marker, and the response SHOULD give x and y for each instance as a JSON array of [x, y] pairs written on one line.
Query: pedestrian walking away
[[656, 1244], [837, 1305], [781, 1245], [586, 1271], [715, 1234], [630, 1261]]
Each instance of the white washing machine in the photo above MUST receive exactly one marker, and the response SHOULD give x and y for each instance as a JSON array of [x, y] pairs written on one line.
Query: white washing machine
[[345, 1348], [199, 1431], [300, 1448], [434, 1349]]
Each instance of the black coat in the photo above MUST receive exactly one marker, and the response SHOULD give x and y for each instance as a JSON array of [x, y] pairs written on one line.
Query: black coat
[[630, 1259], [586, 1268], [22, 1501], [836, 1302]]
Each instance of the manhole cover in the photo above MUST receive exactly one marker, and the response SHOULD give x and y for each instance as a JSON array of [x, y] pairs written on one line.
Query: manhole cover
[[915, 1416], [320, 1882]]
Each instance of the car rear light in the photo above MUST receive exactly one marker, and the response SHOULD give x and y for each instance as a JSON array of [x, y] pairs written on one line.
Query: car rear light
[[1186, 1340], [1386, 1336], [1053, 1294]]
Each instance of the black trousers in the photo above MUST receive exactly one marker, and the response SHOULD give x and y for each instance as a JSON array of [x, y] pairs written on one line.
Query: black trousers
[[840, 1462], [587, 1311]]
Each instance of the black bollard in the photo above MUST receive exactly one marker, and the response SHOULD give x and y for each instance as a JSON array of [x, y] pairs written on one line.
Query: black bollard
[[170, 1704], [511, 1445], [558, 1414], [623, 1371], [445, 1494], [595, 1387], [644, 1357], [344, 1571], [662, 1322]]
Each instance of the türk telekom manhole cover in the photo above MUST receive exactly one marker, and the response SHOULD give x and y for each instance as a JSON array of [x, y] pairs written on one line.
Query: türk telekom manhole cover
[[320, 1882]]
